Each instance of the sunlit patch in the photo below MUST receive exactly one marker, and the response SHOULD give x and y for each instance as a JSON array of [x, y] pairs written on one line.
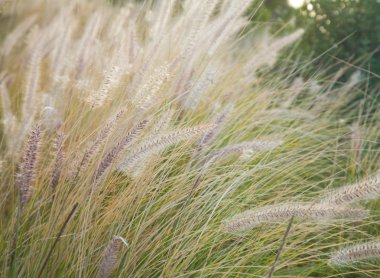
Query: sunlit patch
[[296, 4]]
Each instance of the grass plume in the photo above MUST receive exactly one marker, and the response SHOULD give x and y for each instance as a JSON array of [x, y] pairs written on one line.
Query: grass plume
[[107, 265], [365, 189], [355, 253], [277, 213], [27, 172]]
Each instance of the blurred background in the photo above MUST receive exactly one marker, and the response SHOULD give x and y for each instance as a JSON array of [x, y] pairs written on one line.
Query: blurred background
[[338, 34]]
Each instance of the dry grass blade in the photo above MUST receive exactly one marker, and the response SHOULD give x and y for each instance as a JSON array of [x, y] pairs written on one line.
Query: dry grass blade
[[58, 162], [69, 216]]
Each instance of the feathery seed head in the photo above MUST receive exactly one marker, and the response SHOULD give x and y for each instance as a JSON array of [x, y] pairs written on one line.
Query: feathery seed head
[[148, 91], [107, 265], [117, 149], [355, 253], [218, 121], [111, 79], [279, 213], [94, 146], [368, 188], [247, 149], [27, 169], [162, 142]]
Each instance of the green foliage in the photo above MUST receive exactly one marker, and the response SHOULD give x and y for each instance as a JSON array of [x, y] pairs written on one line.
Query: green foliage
[[337, 33], [349, 29]]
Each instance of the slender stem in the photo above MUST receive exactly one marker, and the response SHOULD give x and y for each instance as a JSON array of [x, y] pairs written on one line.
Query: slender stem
[[57, 238], [181, 210], [271, 271], [12, 269]]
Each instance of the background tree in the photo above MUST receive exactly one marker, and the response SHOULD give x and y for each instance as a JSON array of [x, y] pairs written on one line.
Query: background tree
[[337, 33]]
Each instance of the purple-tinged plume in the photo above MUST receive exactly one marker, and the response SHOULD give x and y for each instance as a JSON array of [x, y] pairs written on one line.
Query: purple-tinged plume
[[27, 170], [114, 152], [110, 256], [93, 148]]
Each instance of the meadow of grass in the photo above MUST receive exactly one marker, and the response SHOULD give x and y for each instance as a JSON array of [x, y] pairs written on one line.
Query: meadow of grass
[[151, 140]]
